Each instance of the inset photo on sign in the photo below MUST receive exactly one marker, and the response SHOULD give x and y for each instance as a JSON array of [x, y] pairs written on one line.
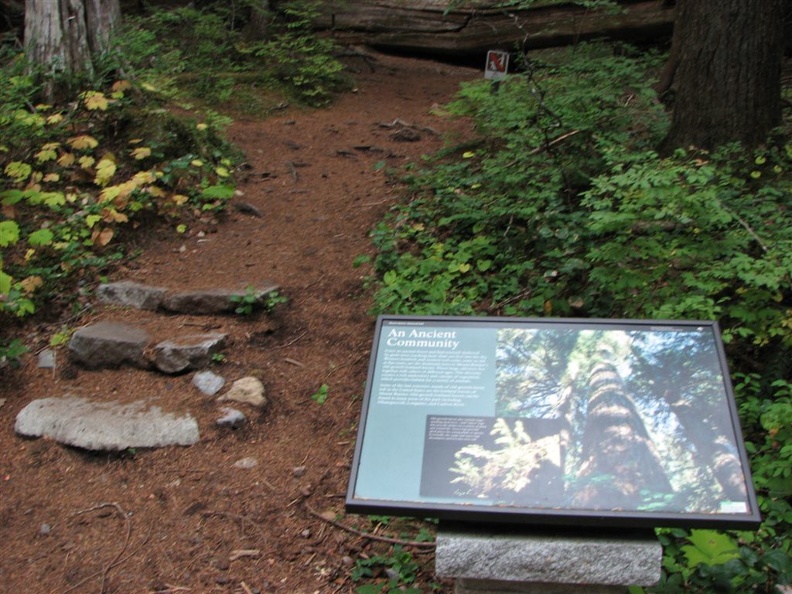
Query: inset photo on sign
[[506, 461], [642, 418]]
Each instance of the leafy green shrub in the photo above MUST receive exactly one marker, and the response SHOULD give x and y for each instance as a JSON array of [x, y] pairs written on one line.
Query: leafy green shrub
[[500, 227], [201, 54], [562, 207], [299, 57], [84, 174]]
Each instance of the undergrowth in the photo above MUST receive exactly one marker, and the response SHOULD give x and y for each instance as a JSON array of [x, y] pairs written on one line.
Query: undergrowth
[[563, 207], [129, 148]]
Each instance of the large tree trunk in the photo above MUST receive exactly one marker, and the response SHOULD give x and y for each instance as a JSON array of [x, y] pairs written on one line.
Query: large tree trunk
[[62, 36], [619, 460], [728, 72], [429, 26], [714, 450]]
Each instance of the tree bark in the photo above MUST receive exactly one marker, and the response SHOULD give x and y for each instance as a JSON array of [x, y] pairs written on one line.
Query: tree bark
[[713, 449], [61, 36], [428, 26], [619, 460], [728, 74]]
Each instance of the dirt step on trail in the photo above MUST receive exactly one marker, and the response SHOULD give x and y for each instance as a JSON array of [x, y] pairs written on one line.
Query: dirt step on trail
[[187, 519]]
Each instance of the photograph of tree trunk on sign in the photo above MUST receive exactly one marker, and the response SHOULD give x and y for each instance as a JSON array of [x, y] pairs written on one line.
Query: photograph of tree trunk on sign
[[640, 417]]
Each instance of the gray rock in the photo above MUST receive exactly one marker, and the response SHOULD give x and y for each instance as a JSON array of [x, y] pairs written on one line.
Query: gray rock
[[212, 301], [231, 417], [46, 359], [482, 555], [188, 352], [109, 344], [105, 426], [247, 390], [208, 383], [131, 294]]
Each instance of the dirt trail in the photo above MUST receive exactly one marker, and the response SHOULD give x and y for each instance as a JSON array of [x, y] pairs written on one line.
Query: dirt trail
[[185, 519]]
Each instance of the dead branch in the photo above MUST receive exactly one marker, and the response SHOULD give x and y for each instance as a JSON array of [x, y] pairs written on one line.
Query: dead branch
[[117, 559], [404, 543]]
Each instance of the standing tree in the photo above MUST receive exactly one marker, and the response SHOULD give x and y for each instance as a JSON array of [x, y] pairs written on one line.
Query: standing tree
[[63, 37], [726, 60]]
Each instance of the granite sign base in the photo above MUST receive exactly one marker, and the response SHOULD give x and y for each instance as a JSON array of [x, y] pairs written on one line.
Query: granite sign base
[[488, 560]]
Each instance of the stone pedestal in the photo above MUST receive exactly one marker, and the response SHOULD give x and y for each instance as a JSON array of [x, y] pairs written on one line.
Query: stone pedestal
[[484, 560]]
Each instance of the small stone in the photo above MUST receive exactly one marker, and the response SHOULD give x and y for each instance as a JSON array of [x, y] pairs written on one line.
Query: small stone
[[248, 390], [246, 463], [298, 471], [45, 529], [208, 383], [305, 533], [231, 417], [392, 574], [46, 359]]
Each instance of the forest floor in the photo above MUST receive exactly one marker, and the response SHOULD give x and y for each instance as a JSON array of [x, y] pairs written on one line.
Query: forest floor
[[186, 519]]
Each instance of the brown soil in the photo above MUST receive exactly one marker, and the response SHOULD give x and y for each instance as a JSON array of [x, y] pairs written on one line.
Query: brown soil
[[185, 519]]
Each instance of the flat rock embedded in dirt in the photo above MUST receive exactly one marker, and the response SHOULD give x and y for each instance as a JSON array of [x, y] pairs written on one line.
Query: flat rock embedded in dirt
[[105, 426], [208, 383], [132, 294], [188, 352], [214, 301], [109, 345]]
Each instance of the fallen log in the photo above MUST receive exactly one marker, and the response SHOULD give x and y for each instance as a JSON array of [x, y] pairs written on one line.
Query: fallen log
[[429, 27]]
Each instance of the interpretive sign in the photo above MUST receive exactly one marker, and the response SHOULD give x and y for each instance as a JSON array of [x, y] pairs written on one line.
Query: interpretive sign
[[585, 422]]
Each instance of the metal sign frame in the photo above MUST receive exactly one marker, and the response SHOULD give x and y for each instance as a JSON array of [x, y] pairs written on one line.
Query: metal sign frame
[[610, 423]]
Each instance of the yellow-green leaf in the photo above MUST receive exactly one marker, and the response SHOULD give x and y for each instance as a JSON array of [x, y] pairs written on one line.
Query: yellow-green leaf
[[45, 155], [18, 171], [94, 100], [83, 142], [9, 233], [141, 153], [91, 220], [87, 161], [105, 170], [66, 160]]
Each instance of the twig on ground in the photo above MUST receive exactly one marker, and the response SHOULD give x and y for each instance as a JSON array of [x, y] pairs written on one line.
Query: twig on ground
[[291, 342], [117, 559], [398, 541]]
